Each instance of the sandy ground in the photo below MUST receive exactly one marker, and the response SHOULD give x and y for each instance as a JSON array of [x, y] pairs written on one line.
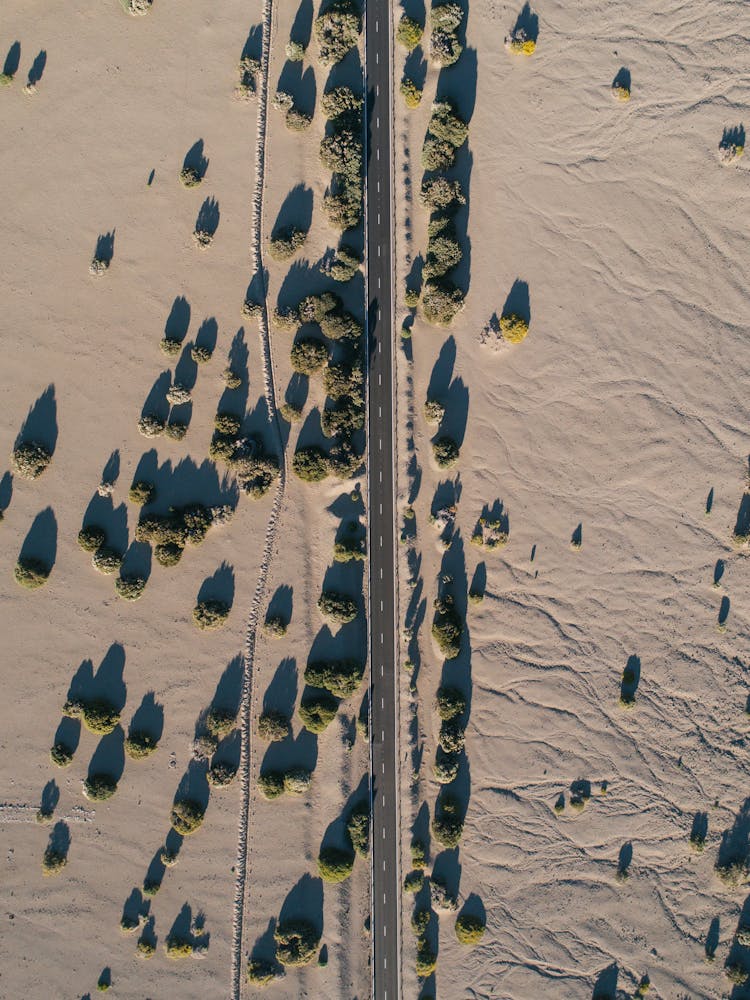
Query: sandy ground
[[623, 409], [119, 97]]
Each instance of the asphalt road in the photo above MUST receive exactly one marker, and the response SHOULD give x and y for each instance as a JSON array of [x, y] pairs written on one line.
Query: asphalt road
[[386, 889]]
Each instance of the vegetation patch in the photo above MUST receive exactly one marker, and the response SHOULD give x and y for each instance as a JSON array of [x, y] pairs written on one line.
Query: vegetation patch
[[273, 726], [186, 816], [340, 677], [296, 942], [338, 607], [31, 573], [335, 865], [317, 711], [30, 459], [99, 787], [209, 615]]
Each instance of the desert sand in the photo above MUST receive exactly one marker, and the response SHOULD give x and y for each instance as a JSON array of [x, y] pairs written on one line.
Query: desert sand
[[619, 420]]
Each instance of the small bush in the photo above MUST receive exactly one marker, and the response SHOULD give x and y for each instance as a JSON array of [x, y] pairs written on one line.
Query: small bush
[[130, 588], [620, 92], [445, 20], [441, 302], [168, 858], [170, 346], [418, 854], [232, 379], [140, 493], [176, 430], [414, 881], [409, 32], [275, 626], [190, 177], [426, 960], [338, 607], [273, 726], [513, 328], [178, 947], [168, 554], [344, 264], [106, 560], [447, 825], [178, 395], [336, 31], [285, 243], [91, 538], [447, 628], [297, 780], [271, 784], [469, 929], [201, 355], [61, 755], [145, 948], [317, 711], [209, 615], [452, 736], [441, 897], [445, 451], [260, 972], [308, 355], [99, 716], [221, 774], [252, 309], [295, 51], [349, 550], [311, 464], [445, 768], [151, 426], [220, 722], [340, 677], [139, 745], [358, 828], [440, 193], [296, 942], [31, 573], [53, 861], [99, 787], [150, 887], [335, 865], [450, 702], [227, 423], [339, 102], [520, 44], [411, 93], [30, 459], [186, 816]]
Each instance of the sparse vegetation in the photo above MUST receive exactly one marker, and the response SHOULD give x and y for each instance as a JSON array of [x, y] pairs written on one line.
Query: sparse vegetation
[[620, 92], [440, 193], [311, 464], [335, 865], [297, 780], [285, 243], [308, 355], [337, 30], [271, 784], [170, 346], [190, 177], [445, 768], [317, 711], [30, 459], [426, 960], [344, 264], [441, 897], [130, 588], [358, 828], [208, 615], [469, 929], [296, 942], [452, 736], [106, 560], [231, 378], [201, 355], [414, 881], [151, 426], [273, 726], [408, 32], [53, 861], [61, 755], [186, 816], [445, 451], [340, 677], [447, 628], [295, 51], [139, 745], [445, 20], [99, 787], [221, 774], [450, 702], [260, 972], [411, 93], [441, 302], [447, 825], [513, 328], [91, 538], [140, 493], [338, 607], [349, 550], [178, 947], [220, 722], [519, 43], [31, 573]]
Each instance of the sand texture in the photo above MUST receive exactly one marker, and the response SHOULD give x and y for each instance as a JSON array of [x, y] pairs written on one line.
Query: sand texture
[[618, 420]]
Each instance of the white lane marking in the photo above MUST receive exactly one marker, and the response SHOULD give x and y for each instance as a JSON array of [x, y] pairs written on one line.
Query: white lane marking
[[380, 379], [382, 736], [378, 187], [381, 669], [376, 25], [378, 152], [384, 801], [384, 866], [382, 700], [383, 833], [381, 545], [381, 511], [377, 85], [382, 766], [385, 960], [381, 476], [378, 224], [380, 411], [380, 444], [378, 250], [377, 60], [384, 901], [381, 572], [381, 638]]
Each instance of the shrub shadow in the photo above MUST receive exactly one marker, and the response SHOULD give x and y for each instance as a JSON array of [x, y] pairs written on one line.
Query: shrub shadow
[[517, 301], [605, 986], [113, 521], [41, 539], [219, 586], [194, 159], [302, 25], [207, 220], [37, 68], [735, 842], [305, 901], [105, 247], [528, 22], [109, 756], [148, 717], [296, 210], [178, 321], [40, 425], [622, 78], [12, 60], [281, 693]]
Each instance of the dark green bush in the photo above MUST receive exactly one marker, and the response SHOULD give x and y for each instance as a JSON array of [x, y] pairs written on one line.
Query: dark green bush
[[139, 745], [343, 380], [447, 628], [168, 554], [91, 538], [61, 755], [345, 263], [31, 573], [311, 464], [346, 416], [469, 929], [209, 615], [141, 493], [308, 355], [447, 825], [99, 787], [340, 101], [414, 881], [260, 972], [445, 768], [271, 784], [358, 828], [450, 702], [99, 716], [53, 861], [130, 588], [296, 942], [445, 20], [445, 451], [441, 302], [440, 193], [338, 607], [335, 865], [227, 424], [426, 960], [348, 550], [221, 774], [340, 677], [106, 560], [30, 459], [452, 736], [317, 711], [297, 780], [285, 243], [408, 32], [337, 31], [186, 816], [273, 726], [220, 721]]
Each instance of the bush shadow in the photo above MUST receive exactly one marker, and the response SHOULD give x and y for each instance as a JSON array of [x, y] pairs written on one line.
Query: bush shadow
[[178, 320], [40, 425], [517, 302], [305, 901], [281, 693], [109, 756], [207, 220], [296, 210], [12, 60], [219, 586], [148, 717], [41, 539], [195, 160]]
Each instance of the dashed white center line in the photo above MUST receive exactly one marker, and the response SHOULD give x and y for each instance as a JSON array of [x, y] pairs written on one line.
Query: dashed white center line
[[380, 411], [381, 572], [381, 508]]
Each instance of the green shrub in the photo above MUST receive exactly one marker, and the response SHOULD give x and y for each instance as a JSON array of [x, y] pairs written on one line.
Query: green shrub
[[337, 31], [140, 493], [139, 745], [342, 419], [311, 464], [340, 677], [178, 395], [343, 207], [285, 243], [209, 615], [410, 92], [441, 302], [99, 787], [220, 722], [130, 588], [145, 948], [420, 919], [469, 929], [440, 193], [411, 297], [445, 451], [340, 101], [296, 942], [227, 424], [99, 716], [513, 328], [30, 459], [342, 151], [296, 121], [317, 711], [170, 346], [441, 897], [447, 825], [176, 430], [447, 124], [178, 947], [345, 263], [31, 573], [445, 19], [106, 560], [437, 154], [252, 309], [443, 250], [338, 607], [452, 736], [221, 774], [91, 538], [520, 45], [201, 355], [151, 426], [414, 881], [418, 854], [53, 861], [297, 780], [295, 51], [190, 177], [341, 380], [335, 865], [447, 628], [358, 828], [426, 960], [150, 887], [450, 702], [186, 816], [168, 858], [168, 554], [232, 379], [260, 972], [408, 32], [275, 626], [271, 784], [349, 550], [290, 413], [61, 755], [445, 768], [273, 726], [308, 355]]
